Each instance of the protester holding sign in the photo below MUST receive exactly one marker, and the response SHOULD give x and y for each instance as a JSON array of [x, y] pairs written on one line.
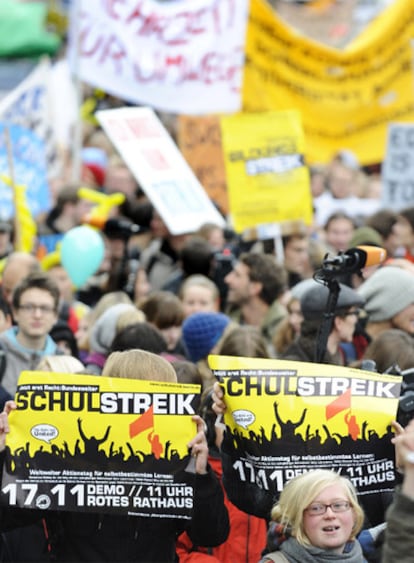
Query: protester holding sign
[[277, 429], [103, 535]]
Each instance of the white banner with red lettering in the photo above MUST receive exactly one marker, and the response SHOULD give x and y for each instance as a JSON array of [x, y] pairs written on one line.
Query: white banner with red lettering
[[181, 57]]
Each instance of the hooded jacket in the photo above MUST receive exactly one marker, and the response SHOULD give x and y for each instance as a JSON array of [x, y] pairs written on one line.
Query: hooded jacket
[[19, 358]]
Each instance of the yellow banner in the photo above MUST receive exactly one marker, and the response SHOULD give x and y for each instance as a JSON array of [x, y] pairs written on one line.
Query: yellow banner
[[285, 418], [346, 98], [100, 444], [267, 179]]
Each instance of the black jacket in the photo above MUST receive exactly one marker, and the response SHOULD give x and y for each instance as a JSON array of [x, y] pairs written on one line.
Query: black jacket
[[77, 536]]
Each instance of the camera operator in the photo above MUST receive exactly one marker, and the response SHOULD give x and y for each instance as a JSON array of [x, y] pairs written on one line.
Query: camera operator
[[121, 263]]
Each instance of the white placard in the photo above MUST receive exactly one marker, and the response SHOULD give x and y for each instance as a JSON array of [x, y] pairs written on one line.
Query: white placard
[[398, 167], [160, 168], [180, 57], [29, 105]]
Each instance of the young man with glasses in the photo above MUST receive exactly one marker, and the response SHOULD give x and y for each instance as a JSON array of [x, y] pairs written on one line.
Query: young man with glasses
[[35, 303]]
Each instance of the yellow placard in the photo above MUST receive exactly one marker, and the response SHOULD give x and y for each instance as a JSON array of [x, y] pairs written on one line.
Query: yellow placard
[[346, 98], [267, 179], [284, 418], [100, 444]]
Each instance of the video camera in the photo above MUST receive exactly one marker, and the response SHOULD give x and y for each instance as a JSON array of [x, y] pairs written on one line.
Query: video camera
[[405, 410], [223, 263], [117, 228]]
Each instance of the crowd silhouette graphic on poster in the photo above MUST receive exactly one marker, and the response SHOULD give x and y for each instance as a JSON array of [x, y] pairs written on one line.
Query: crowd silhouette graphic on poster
[[88, 452], [284, 437]]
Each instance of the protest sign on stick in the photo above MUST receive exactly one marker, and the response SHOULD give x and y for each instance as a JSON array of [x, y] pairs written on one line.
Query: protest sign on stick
[[199, 139], [160, 168], [267, 178], [398, 167]]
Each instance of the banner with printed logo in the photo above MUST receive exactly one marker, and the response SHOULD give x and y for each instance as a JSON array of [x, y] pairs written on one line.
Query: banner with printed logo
[[346, 97], [100, 444], [267, 179], [284, 418], [179, 57]]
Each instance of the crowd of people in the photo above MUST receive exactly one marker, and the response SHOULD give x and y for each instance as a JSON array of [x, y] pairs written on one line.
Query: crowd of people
[[182, 297]]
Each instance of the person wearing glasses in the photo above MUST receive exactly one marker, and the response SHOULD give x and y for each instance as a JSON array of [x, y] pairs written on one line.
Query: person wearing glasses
[[316, 519], [313, 304], [35, 304]]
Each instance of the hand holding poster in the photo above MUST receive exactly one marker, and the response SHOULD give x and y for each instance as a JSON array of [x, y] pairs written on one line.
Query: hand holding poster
[[100, 444], [285, 418]]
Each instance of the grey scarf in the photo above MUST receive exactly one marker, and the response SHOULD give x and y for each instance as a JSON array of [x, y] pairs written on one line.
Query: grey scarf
[[297, 553]]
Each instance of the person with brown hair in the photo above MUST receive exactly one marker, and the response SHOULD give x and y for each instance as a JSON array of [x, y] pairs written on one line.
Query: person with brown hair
[[383, 222], [244, 340], [391, 348], [255, 286], [68, 212], [18, 265], [165, 311], [35, 305], [289, 328]]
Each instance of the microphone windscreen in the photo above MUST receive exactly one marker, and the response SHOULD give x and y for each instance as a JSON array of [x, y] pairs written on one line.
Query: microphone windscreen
[[94, 221], [375, 255]]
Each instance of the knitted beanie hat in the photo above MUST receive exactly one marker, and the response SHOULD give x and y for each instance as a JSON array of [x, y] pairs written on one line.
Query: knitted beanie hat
[[201, 332], [365, 235], [104, 330], [387, 292]]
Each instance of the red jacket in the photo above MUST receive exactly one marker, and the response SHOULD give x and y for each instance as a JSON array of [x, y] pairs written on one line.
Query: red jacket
[[245, 543]]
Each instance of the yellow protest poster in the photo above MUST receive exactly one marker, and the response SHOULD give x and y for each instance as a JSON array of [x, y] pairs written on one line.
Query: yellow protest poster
[[199, 140], [284, 418], [267, 179], [347, 97], [100, 444]]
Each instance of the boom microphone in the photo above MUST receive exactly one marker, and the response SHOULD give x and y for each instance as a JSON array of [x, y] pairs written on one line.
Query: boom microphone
[[354, 259]]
